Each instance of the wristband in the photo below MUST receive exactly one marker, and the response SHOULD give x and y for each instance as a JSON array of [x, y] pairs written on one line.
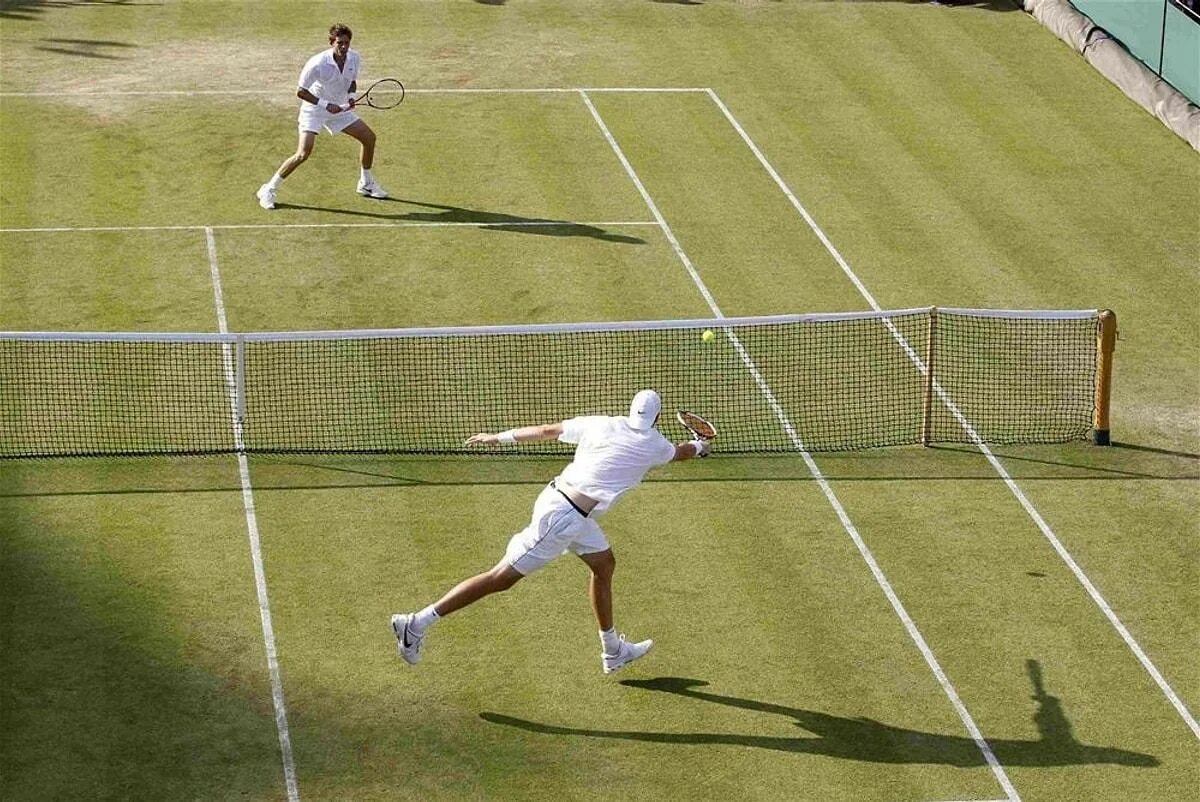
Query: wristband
[[702, 448], [507, 437]]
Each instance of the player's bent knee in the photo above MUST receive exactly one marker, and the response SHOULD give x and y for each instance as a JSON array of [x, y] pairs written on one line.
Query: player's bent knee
[[504, 583], [504, 577], [602, 564]]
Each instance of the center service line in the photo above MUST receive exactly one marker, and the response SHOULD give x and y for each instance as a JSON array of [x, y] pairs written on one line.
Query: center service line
[[260, 576]]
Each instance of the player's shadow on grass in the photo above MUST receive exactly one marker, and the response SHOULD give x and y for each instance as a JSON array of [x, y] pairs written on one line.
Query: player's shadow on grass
[[494, 221], [865, 739]]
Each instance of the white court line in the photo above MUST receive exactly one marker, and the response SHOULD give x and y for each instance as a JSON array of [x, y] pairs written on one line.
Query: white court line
[[1037, 518], [260, 577], [909, 625], [549, 90], [394, 224]]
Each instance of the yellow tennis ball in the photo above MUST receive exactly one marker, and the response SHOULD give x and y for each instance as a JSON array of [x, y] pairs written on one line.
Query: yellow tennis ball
[[708, 336]]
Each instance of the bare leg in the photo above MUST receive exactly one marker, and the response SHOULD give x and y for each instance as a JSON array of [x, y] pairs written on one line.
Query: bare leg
[[500, 578], [304, 149], [602, 563], [366, 137]]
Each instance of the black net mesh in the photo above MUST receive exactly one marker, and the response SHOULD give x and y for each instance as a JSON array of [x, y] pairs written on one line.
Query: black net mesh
[[1014, 381], [68, 398], [817, 384]]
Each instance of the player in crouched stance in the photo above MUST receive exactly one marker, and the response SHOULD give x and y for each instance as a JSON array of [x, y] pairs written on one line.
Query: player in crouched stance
[[612, 455], [327, 86]]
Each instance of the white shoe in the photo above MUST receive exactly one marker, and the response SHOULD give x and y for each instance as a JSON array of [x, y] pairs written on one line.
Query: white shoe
[[408, 645], [371, 189], [626, 653], [266, 196]]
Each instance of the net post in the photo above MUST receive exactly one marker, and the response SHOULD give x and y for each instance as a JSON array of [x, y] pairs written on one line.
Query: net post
[[239, 381], [1106, 343], [927, 416]]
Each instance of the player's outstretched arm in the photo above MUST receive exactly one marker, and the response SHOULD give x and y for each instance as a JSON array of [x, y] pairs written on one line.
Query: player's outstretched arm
[[523, 434]]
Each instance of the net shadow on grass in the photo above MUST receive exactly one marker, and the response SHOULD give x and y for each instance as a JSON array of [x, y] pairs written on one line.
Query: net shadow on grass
[[1174, 465], [982, 5], [493, 221], [864, 739], [743, 468], [1152, 450], [283, 473]]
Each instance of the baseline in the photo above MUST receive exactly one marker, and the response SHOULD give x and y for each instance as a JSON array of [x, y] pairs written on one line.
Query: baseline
[[549, 90], [394, 224]]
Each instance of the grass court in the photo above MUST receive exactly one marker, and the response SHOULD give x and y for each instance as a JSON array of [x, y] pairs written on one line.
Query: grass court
[[907, 624]]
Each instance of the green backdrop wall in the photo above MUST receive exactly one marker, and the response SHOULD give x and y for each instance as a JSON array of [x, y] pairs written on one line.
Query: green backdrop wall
[[1163, 34]]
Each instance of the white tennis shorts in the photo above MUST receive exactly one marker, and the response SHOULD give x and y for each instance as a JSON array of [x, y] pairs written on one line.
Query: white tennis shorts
[[555, 528], [313, 119]]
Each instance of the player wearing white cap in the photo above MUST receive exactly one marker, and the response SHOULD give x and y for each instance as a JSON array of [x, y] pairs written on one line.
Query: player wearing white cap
[[612, 455]]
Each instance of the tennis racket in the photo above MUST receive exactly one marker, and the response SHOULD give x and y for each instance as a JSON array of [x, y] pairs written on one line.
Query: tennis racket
[[386, 93], [697, 425]]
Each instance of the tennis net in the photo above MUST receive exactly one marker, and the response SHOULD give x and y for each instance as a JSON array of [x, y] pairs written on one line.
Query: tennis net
[[823, 382]]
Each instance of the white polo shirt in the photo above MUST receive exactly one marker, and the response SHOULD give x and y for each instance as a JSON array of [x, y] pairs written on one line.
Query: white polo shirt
[[611, 456], [322, 77]]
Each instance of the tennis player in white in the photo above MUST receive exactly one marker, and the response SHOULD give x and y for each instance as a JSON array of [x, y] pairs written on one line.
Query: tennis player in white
[[612, 455], [327, 85]]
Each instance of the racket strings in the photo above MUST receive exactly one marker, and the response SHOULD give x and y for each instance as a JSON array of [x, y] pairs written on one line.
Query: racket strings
[[698, 425], [384, 94]]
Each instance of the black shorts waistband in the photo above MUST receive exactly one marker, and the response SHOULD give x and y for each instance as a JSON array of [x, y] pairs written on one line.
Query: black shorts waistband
[[570, 501]]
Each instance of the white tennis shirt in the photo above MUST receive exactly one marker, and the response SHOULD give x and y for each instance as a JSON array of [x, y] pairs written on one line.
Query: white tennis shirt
[[611, 456], [322, 77]]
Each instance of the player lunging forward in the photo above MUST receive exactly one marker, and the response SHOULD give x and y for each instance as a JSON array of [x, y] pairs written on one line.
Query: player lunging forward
[[612, 455], [327, 85]]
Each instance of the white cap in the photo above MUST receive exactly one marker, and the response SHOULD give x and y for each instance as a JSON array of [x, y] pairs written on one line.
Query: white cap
[[643, 410]]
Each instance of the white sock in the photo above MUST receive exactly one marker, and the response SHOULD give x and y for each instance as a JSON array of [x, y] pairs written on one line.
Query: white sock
[[424, 620], [366, 176], [610, 640], [275, 181]]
